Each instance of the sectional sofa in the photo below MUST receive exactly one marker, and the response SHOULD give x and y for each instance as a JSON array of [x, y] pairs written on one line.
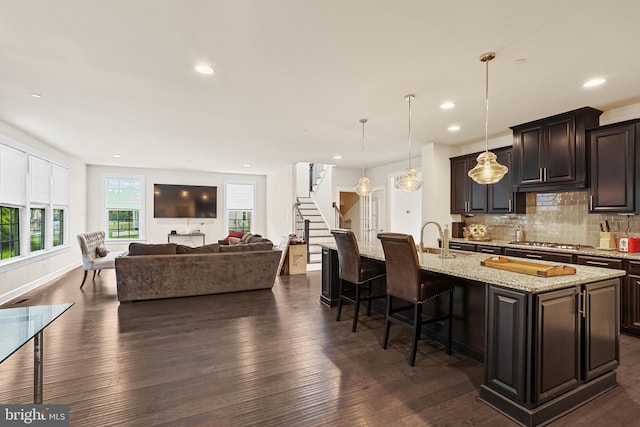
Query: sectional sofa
[[153, 271]]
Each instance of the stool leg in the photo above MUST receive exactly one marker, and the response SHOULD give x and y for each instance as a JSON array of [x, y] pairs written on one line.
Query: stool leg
[[387, 323], [339, 301], [369, 286], [357, 309], [417, 327]]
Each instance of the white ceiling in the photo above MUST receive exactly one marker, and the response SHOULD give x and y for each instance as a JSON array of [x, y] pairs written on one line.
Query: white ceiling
[[293, 77]]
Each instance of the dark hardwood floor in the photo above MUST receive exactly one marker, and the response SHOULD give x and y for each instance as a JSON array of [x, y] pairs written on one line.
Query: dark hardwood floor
[[267, 358]]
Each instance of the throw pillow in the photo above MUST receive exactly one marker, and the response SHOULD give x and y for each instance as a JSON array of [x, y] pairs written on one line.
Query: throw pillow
[[101, 251], [206, 249], [234, 241], [236, 233]]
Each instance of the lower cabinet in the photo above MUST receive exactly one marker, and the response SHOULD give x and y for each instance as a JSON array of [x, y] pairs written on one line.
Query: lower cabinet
[[544, 348], [631, 300], [539, 255]]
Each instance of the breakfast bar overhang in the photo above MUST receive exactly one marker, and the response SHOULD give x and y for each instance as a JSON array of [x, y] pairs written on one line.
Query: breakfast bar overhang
[[549, 344]]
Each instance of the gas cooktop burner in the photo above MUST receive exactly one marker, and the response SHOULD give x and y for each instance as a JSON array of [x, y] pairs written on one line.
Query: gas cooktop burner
[[552, 245]]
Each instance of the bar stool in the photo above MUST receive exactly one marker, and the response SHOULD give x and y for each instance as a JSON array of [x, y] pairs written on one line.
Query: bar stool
[[361, 272], [405, 281]]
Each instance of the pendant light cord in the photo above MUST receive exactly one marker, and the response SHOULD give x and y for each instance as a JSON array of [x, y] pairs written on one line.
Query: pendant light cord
[[486, 100], [363, 121], [409, 98]]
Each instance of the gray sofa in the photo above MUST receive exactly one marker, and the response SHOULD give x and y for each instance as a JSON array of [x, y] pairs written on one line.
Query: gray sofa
[[170, 270]]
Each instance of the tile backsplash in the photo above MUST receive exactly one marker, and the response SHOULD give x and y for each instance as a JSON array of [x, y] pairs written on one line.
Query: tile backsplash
[[557, 217]]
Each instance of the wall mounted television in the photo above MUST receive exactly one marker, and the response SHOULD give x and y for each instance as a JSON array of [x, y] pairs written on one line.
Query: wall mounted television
[[184, 201]]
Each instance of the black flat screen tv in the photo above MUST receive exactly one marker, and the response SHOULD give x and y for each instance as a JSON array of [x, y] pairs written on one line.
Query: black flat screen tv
[[184, 201]]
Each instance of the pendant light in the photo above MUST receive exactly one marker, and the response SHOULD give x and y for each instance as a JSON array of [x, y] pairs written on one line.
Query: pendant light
[[409, 181], [364, 186], [488, 170]]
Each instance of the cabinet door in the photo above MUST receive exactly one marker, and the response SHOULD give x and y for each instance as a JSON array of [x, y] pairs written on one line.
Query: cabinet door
[[601, 328], [612, 154], [501, 197], [530, 155], [505, 355], [462, 246], [560, 151], [558, 344], [459, 185], [630, 301]]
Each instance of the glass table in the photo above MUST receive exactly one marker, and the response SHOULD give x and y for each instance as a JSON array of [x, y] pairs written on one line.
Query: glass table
[[19, 325]]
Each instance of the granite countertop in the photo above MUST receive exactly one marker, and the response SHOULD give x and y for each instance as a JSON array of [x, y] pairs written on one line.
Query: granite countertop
[[589, 252], [466, 265]]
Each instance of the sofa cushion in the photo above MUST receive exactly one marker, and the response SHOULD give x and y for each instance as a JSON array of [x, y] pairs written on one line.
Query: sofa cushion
[[152, 249], [206, 249], [234, 241]]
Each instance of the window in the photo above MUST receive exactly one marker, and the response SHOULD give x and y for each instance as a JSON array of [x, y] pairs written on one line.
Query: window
[[36, 229], [58, 227], [9, 232], [34, 196], [124, 201], [239, 206]]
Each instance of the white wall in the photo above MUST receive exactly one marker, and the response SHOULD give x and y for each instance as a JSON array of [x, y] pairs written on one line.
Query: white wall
[[22, 276], [158, 228], [301, 181], [280, 199]]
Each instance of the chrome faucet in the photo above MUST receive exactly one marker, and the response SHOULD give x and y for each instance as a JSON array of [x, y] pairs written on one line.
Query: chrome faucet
[[444, 236]]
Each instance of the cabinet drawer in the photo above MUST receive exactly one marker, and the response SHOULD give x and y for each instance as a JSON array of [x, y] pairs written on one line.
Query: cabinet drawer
[[544, 256], [462, 246], [600, 262], [634, 267], [496, 250]]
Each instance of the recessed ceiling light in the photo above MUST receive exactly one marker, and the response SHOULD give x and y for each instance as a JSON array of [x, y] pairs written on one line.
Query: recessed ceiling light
[[36, 95], [246, 165], [337, 157], [117, 156], [447, 105], [204, 69], [453, 128], [520, 61], [594, 82]]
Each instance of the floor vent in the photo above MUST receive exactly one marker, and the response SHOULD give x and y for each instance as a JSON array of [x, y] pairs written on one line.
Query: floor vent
[[21, 301]]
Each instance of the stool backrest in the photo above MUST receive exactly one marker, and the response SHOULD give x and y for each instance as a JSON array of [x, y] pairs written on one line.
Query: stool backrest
[[348, 255], [403, 266]]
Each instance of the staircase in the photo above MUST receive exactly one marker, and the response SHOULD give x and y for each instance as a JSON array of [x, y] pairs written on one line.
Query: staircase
[[319, 231]]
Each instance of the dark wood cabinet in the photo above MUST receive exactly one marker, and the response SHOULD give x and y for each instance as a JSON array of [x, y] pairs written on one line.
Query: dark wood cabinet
[[550, 153], [543, 350], [470, 247], [495, 250], [468, 197], [330, 277], [539, 255], [506, 356], [558, 344], [630, 300], [613, 161]]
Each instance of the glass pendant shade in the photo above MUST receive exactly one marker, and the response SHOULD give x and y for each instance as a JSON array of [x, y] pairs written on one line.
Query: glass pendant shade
[[488, 170], [409, 181], [364, 187]]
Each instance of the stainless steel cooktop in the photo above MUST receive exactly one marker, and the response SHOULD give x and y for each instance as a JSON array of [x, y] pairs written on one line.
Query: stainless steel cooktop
[[552, 245]]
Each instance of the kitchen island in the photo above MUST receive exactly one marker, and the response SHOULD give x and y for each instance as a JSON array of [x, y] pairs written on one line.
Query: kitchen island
[[549, 344]]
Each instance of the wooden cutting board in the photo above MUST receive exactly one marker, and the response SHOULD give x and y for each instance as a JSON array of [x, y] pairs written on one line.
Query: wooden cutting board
[[527, 267]]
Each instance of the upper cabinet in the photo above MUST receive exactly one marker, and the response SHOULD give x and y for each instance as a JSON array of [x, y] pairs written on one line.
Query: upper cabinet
[[613, 165], [469, 197], [550, 154]]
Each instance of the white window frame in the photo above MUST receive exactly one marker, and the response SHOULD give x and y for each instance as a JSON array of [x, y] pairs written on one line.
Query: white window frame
[[254, 215], [141, 211], [46, 186]]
